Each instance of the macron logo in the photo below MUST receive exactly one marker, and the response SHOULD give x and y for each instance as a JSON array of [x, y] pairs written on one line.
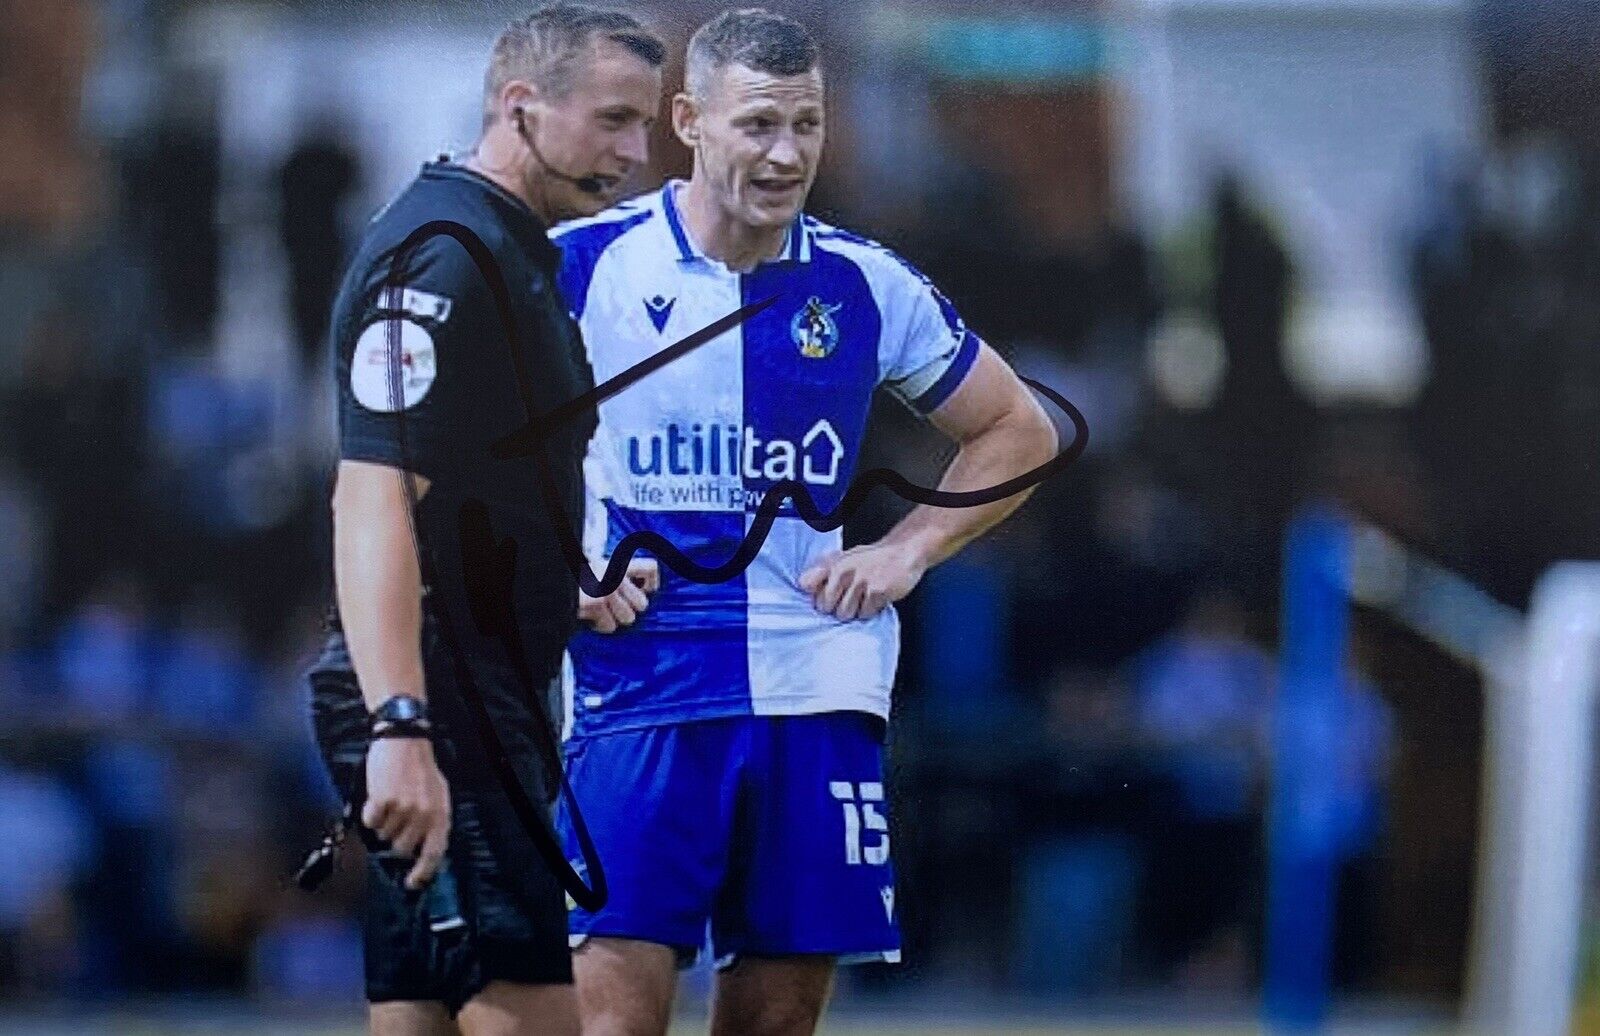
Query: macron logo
[[659, 309]]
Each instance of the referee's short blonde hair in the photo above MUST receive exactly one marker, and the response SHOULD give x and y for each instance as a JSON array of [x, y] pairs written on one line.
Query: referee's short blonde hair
[[544, 48]]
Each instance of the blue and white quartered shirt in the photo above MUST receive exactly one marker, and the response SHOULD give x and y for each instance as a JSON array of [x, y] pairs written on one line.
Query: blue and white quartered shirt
[[690, 450]]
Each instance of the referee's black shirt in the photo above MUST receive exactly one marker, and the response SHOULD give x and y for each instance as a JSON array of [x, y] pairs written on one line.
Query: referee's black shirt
[[454, 394]]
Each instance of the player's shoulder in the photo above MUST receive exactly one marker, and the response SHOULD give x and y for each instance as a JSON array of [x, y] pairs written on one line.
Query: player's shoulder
[[881, 264], [583, 242], [596, 232]]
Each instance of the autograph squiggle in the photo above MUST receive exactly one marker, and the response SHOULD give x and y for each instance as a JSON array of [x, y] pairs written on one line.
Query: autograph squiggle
[[486, 560], [528, 442], [822, 521]]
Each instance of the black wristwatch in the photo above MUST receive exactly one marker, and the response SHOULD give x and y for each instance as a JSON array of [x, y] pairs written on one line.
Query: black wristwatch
[[401, 716]]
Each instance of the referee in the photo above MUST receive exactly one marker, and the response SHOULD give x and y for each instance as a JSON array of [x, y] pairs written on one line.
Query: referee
[[463, 919]]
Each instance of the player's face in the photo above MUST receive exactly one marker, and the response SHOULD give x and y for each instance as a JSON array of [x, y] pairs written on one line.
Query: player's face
[[599, 130], [757, 140]]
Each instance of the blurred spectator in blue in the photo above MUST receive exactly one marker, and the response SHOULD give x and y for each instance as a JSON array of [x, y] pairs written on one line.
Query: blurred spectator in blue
[[200, 422], [311, 958], [103, 651], [131, 788], [1079, 870], [103, 658], [1201, 700], [965, 618], [48, 847], [204, 679]]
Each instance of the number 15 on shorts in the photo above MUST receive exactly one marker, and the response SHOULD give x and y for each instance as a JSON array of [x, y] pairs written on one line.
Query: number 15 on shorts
[[860, 803]]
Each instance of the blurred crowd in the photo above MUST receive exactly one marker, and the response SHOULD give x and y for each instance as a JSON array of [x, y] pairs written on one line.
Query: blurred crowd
[[1081, 751], [163, 558]]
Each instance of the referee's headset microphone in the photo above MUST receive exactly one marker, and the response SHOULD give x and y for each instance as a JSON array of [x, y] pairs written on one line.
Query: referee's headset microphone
[[587, 184]]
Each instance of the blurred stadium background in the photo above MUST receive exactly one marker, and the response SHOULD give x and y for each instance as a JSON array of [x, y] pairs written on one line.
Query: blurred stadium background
[[1150, 776]]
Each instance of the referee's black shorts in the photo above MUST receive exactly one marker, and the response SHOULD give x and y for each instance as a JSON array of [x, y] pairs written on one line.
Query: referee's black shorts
[[514, 910]]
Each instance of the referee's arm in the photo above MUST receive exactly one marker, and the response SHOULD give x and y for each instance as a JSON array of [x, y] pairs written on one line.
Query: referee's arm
[[379, 588]]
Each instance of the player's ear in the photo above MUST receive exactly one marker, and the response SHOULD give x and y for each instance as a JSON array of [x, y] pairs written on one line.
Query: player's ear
[[686, 120]]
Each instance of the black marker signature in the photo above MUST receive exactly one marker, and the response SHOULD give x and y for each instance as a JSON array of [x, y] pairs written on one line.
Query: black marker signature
[[488, 562], [529, 442]]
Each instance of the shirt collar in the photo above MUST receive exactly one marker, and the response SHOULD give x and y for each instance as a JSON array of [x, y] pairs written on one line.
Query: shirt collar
[[525, 223], [796, 244]]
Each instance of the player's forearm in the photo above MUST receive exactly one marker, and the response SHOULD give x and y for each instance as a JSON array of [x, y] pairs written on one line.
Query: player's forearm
[[1020, 440], [378, 582]]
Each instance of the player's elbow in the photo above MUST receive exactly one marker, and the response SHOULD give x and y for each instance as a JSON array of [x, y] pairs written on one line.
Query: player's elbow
[[1033, 432]]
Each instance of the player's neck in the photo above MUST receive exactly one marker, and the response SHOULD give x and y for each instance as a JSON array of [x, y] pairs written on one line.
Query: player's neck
[[738, 246]]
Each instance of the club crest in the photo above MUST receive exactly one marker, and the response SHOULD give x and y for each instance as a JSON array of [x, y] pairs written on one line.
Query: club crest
[[814, 330]]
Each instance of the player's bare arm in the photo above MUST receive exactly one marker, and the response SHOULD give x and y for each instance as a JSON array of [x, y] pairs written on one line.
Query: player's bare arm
[[379, 587], [1002, 431]]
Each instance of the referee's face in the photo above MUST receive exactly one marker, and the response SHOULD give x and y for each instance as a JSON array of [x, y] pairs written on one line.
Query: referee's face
[[598, 130], [757, 140]]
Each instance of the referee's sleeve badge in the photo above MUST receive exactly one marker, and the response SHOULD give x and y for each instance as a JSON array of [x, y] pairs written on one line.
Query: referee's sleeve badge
[[393, 365]]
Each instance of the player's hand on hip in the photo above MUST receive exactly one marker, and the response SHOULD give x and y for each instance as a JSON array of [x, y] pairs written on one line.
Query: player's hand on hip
[[622, 606], [408, 803], [861, 582]]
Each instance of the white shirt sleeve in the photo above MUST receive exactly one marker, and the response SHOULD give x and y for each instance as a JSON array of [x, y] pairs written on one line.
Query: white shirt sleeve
[[925, 351]]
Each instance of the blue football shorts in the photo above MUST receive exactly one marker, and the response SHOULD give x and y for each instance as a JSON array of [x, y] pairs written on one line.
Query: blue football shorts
[[769, 833]]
